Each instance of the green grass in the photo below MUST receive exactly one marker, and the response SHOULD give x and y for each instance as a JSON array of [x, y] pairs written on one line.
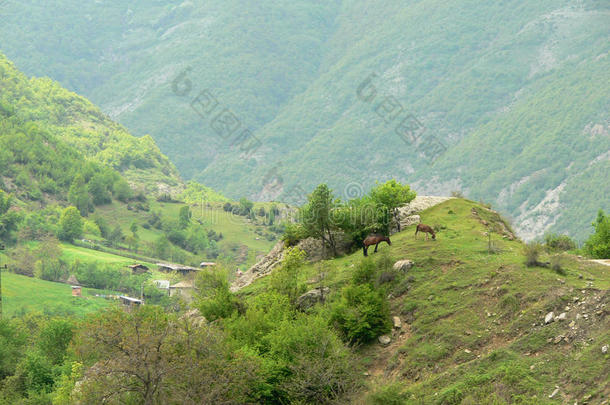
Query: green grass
[[21, 294], [471, 316], [239, 238]]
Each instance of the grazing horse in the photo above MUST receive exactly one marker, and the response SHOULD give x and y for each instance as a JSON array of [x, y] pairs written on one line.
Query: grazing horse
[[426, 229], [374, 240]]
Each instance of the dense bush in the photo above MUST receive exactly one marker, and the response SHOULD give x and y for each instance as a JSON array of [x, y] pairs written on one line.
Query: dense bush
[[554, 242], [598, 244], [361, 314], [532, 252]]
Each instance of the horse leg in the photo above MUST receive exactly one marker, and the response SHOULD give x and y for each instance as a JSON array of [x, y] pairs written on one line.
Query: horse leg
[[376, 247], [416, 230], [364, 250], [426, 235]]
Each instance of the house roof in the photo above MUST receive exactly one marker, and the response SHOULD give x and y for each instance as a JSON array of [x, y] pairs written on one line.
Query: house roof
[[177, 267], [203, 264], [137, 266], [183, 284], [126, 298]]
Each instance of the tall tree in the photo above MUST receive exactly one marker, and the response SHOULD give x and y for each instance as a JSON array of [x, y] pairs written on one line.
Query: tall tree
[[70, 224], [316, 216], [391, 195], [78, 195]]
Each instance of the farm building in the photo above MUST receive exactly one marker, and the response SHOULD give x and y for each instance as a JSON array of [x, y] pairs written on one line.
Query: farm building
[[138, 268], [77, 291], [178, 268], [130, 302], [183, 289], [207, 264]]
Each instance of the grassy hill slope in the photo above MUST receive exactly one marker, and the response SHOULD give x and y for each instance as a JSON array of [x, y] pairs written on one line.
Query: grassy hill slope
[[21, 294], [473, 329]]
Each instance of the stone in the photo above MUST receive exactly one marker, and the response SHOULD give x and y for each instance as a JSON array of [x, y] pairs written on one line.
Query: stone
[[561, 317], [554, 393], [312, 297], [397, 322], [549, 317], [384, 340], [410, 220], [605, 349], [572, 324], [403, 265], [467, 351], [558, 339]]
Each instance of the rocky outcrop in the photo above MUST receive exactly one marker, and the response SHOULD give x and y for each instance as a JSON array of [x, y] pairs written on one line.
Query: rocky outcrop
[[403, 265], [407, 215], [312, 297]]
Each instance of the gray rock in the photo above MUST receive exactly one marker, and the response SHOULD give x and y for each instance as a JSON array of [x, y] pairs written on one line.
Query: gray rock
[[403, 265], [410, 220], [605, 349], [554, 393], [312, 297], [384, 340], [397, 322], [549, 317], [561, 317]]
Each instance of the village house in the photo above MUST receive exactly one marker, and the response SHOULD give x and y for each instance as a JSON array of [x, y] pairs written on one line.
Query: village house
[[183, 270], [130, 302], [183, 289], [76, 288], [138, 268]]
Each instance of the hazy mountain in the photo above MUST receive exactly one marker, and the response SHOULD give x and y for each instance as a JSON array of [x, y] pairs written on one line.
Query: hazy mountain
[[508, 100]]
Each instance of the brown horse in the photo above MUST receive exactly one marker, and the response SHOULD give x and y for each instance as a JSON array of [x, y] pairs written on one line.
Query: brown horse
[[426, 229], [374, 240]]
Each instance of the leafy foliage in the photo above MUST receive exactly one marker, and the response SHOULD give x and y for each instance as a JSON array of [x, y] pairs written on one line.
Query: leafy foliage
[[598, 244]]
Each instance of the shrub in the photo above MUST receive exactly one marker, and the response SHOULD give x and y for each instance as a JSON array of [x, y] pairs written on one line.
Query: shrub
[[361, 314], [293, 234], [391, 394], [554, 242], [532, 251], [598, 244], [364, 271], [557, 264]]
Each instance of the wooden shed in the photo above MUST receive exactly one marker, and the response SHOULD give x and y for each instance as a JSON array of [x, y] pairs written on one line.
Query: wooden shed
[[138, 268], [178, 268], [184, 289]]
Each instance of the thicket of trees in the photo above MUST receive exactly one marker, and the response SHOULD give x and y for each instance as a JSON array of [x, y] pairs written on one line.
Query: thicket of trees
[[323, 215], [598, 244]]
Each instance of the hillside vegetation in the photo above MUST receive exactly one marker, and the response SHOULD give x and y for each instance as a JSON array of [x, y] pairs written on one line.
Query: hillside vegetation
[[515, 92], [472, 319]]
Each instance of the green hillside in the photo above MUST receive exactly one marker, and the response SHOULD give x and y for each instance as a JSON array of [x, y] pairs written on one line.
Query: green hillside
[[21, 295], [57, 149], [515, 91], [473, 329]]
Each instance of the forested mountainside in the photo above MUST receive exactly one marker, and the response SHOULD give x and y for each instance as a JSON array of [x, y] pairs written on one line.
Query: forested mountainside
[[50, 134], [495, 93], [58, 150]]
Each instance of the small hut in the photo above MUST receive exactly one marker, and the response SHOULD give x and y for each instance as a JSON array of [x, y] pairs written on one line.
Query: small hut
[[183, 270], [77, 291], [184, 289], [138, 268], [130, 302]]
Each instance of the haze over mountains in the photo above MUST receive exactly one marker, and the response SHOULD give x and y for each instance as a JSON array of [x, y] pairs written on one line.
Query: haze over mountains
[[516, 92]]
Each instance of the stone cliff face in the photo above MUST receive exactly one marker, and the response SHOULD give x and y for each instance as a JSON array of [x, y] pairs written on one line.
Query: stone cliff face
[[407, 215]]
